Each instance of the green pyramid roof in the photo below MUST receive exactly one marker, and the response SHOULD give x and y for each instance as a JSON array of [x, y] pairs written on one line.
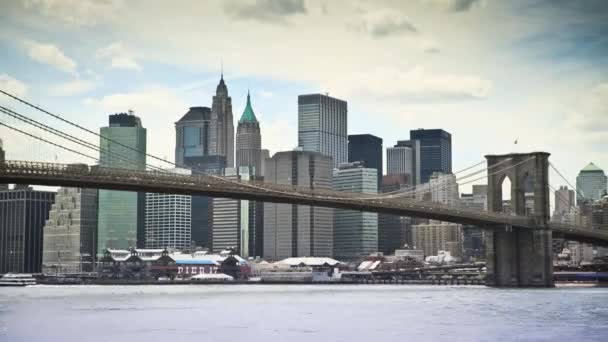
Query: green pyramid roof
[[248, 114], [591, 167]]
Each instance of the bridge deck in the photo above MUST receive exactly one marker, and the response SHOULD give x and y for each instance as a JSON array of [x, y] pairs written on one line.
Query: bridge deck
[[159, 182]]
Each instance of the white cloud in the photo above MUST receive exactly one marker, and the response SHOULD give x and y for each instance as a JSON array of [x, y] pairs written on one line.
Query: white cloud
[[119, 57], [71, 88], [83, 13], [414, 84], [278, 135], [265, 93], [590, 114], [455, 5], [12, 85], [386, 22], [50, 54]]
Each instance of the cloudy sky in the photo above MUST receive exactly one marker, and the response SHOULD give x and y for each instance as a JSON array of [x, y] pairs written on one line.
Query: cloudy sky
[[488, 71]]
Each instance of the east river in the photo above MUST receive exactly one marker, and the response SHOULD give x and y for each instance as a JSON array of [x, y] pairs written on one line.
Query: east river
[[301, 313]]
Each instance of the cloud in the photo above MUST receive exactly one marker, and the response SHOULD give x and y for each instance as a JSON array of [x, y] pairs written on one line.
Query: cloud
[[119, 57], [83, 13], [385, 22], [71, 88], [50, 54], [278, 135], [590, 114], [265, 93], [12, 85], [455, 5], [272, 11], [414, 84]]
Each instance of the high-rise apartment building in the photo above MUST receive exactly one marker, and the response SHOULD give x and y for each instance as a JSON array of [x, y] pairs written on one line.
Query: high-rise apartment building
[[366, 148], [404, 158], [70, 233], [249, 140], [121, 223], [322, 126], [169, 219], [221, 139], [590, 183], [444, 188], [435, 151], [23, 212], [438, 236], [394, 231], [298, 230], [237, 223], [564, 201], [355, 232]]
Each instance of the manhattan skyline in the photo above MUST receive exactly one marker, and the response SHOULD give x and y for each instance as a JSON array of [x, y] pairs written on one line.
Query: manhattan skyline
[[490, 74]]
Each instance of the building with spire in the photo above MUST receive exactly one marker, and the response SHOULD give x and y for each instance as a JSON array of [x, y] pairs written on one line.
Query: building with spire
[[249, 140], [221, 138], [590, 183]]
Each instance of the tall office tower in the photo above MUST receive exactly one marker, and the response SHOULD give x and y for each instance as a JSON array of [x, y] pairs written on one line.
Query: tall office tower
[[435, 151], [221, 139], [70, 233], [23, 212], [404, 158], [355, 232], [249, 140], [298, 230], [366, 148], [394, 231], [168, 219], [264, 154], [564, 202], [444, 188], [2, 158], [322, 126], [590, 183], [121, 222], [236, 223], [472, 236], [438, 236]]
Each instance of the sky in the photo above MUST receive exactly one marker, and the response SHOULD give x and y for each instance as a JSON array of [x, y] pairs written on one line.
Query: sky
[[489, 72]]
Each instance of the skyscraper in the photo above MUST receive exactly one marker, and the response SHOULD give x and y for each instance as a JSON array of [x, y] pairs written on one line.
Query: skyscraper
[[298, 230], [404, 158], [436, 236], [70, 233], [221, 139], [23, 212], [564, 201], [366, 148], [236, 223], [394, 231], [168, 219], [444, 188], [322, 126], [121, 222], [590, 183], [355, 232], [249, 140], [435, 151]]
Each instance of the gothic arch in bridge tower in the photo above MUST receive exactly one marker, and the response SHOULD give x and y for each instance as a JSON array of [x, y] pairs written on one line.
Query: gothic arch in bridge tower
[[517, 256]]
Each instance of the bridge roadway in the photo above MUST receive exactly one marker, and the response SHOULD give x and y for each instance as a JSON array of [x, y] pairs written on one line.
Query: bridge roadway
[[80, 175]]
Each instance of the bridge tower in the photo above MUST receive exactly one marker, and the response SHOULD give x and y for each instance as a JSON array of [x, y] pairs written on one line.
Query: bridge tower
[[518, 256]]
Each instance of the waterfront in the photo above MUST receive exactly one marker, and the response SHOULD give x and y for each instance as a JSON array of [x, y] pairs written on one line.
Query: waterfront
[[301, 313]]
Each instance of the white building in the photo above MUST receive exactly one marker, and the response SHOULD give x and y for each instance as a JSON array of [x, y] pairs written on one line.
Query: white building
[[444, 188], [169, 219], [438, 236]]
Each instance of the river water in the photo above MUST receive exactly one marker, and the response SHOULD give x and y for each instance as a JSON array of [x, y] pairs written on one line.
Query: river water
[[302, 313]]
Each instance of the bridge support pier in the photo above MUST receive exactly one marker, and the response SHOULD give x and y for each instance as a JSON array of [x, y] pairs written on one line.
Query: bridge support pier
[[519, 258]]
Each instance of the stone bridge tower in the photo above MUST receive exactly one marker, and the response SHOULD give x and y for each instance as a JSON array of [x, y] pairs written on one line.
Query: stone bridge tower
[[518, 256]]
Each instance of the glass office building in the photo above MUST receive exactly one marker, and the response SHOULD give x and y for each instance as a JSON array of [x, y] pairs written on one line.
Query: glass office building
[[435, 152]]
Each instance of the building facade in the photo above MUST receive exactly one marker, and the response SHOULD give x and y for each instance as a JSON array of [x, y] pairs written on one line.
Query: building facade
[[444, 188], [355, 232], [394, 231], [121, 223], [221, 139], [169, 219], [435, 151], [438, 236], [366, 148], [70, 233], [404, 158], [23, 213], [2, 158], [249, 140], [298, 230], [236, 224], [591, 183], [322, 126], [564, 202]]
